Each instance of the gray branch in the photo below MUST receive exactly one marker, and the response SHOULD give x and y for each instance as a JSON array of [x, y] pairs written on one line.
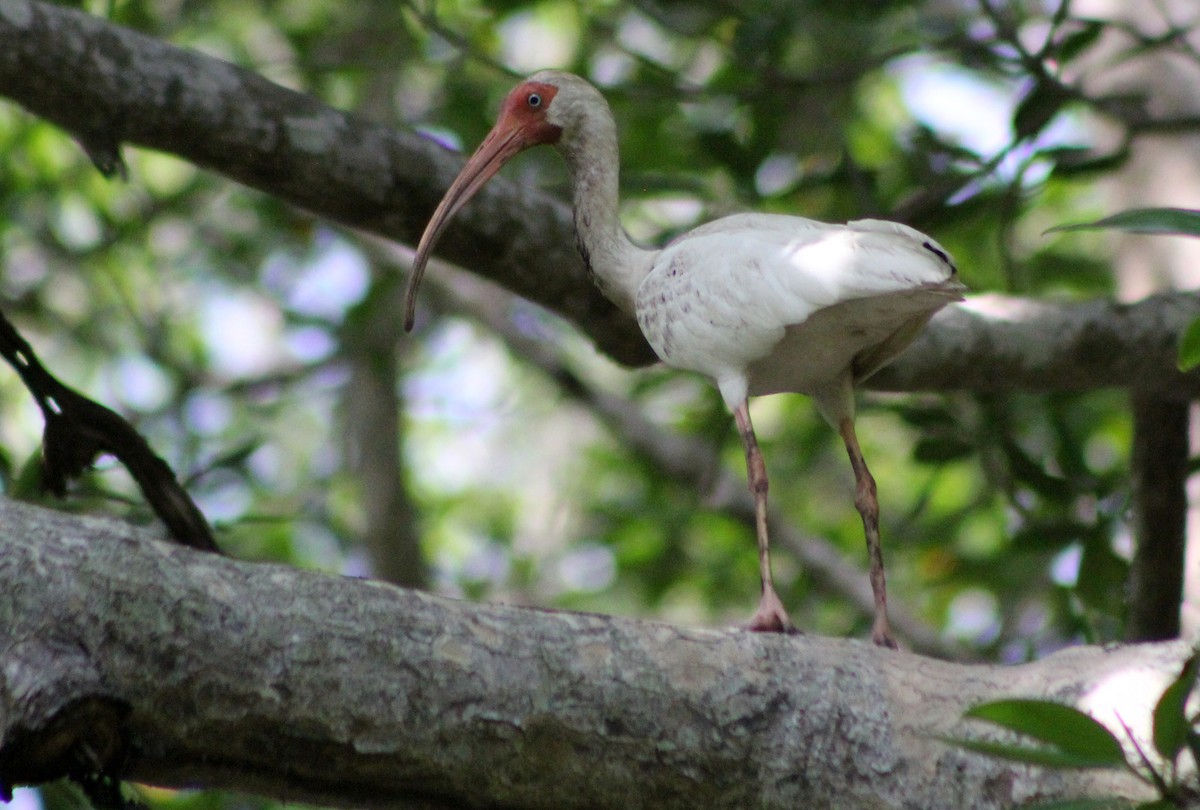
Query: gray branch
[[109, 85], [178, 668], [996, 343]]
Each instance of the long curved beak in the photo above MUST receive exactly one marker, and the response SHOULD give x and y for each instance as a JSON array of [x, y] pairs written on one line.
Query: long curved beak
[[504, 141]]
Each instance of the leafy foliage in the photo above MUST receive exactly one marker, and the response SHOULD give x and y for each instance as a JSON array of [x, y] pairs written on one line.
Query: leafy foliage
[[1065, 737]]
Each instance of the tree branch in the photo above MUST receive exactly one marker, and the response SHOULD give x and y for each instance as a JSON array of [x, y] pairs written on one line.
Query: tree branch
[[1160, 505], [110, 85], [79, 429], [1001, 344], [178, 668]]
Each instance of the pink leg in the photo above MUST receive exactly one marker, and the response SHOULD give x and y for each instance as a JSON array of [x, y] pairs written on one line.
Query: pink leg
[[770, 616], [867, 503]]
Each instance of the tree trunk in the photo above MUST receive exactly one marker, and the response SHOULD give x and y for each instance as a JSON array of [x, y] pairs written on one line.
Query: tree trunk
[[1160, 472], [178, 668], [1162, 170], [372, 434]]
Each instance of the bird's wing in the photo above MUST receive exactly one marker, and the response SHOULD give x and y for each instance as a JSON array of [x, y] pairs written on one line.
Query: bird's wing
[[864, 259], [813, 264], [721, 297]]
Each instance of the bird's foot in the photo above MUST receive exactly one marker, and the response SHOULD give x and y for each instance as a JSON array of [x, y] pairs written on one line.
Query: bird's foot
[[881, 635], [771, 616]]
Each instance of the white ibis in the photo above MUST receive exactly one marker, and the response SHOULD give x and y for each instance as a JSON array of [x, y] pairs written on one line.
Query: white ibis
[[762, 304]]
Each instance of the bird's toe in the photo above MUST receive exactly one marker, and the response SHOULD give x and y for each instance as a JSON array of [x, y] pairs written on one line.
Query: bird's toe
[[771, 617], [884, 639]]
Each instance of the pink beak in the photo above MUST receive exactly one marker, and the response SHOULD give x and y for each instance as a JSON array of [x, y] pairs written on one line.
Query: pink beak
[[505, 140]]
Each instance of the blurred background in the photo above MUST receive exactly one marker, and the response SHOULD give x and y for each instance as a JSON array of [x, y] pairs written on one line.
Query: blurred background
[[495, 455]]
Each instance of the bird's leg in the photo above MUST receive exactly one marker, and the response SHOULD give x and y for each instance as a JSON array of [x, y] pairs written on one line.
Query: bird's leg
[[770, 616], [867, 503]]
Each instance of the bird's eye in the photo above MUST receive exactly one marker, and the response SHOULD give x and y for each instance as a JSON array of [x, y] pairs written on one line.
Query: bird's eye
[[534, 100]]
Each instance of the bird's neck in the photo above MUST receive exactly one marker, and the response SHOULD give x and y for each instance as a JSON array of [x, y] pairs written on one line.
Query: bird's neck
[[616, 264]]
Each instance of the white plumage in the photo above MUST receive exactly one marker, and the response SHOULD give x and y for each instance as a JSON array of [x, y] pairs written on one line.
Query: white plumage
[[761, 303], [720, 299]]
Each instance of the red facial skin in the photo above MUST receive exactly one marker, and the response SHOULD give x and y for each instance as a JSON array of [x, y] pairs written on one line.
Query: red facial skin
[[521, 124]]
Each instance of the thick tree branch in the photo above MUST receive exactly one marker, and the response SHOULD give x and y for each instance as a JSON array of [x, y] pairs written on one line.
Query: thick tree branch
[[178, 668], [109, 85], [997, 344]]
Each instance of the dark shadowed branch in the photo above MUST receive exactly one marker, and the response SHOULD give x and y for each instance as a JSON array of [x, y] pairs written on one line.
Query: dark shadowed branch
[[78, 430], [1160, 465]]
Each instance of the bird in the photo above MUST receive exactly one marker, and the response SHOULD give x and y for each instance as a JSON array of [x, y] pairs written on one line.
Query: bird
[[759, 303]]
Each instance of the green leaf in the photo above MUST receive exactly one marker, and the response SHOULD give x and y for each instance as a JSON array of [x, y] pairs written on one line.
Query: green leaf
[[236, 457], [924, 416], [1078, 162], [1030, 471], [941, 449], [1189, 347], [1049, 533], [1069, 732], [1079, 41], [1171, 725], [1038, 108], [1172, 221], [1046, 756]]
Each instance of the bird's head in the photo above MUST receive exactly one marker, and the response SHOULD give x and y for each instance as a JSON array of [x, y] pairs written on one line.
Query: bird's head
[[537, 111]]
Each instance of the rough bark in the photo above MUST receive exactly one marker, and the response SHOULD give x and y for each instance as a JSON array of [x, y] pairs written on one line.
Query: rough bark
[[109, 85], [997, 343], [179, 668]]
